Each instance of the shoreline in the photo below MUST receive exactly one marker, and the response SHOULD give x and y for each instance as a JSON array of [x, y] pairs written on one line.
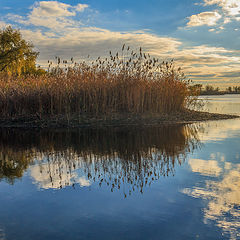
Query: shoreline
[[115, 120]]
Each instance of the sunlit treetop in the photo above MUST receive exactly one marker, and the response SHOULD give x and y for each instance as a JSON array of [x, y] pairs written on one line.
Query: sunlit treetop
[[17, 56]]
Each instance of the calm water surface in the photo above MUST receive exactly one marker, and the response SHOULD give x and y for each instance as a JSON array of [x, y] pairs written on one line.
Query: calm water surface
[[167, 182]]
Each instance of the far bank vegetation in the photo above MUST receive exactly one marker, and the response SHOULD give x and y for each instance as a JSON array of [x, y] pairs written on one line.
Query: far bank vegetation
[[211, 90]]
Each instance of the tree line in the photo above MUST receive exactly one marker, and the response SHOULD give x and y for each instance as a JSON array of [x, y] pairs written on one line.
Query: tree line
[[211, 90]]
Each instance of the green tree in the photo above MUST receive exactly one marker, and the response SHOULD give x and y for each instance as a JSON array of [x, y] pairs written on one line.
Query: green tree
[[17, 56]]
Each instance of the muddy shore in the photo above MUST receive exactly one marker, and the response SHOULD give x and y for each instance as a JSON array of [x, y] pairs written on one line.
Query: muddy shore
[[115, 120]]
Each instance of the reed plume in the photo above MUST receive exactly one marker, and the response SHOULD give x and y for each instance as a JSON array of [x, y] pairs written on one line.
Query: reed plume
[[125, 82]]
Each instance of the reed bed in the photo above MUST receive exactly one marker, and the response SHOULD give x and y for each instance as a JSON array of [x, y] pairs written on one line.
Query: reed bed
[[125, 82]]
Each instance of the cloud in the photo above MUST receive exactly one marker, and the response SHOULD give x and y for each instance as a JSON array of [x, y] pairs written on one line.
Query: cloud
[[51, 14], [230, 7], [235, 74], [204, 75], [51, 9], [16, 18], [228, 10], [56, 9], [59, 29], [81, 7], [204, 18], [2, 24], [79, 42]]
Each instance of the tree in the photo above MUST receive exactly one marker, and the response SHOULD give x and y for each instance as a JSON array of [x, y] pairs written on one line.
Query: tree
[[195, 89], [229, 89], [17, 56], [209, 88]]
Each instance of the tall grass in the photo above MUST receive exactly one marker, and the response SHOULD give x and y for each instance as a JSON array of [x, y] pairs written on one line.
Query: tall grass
[[126, 82]]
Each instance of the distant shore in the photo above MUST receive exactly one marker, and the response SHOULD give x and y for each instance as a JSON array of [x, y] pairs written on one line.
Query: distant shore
[[117, 120], [218, 93]]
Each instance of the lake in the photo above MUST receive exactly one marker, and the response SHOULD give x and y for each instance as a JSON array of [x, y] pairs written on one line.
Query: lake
[[166, 182]]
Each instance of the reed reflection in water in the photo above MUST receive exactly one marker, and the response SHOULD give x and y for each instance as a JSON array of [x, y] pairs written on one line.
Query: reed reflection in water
[[128, 159]]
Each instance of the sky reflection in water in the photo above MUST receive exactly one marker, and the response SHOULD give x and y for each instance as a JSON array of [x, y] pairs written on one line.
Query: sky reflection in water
[[221, 167], [168, 182]]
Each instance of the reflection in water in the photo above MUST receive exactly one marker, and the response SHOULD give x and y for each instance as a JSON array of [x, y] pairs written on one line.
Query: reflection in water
[[220, 190], [207, 206], [227, 104], [127, 159], [205, 167], [2, 235], [222, 194], [13, 163]]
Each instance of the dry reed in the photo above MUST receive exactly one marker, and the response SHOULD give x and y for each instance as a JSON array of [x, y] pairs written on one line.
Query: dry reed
[[129, 82]]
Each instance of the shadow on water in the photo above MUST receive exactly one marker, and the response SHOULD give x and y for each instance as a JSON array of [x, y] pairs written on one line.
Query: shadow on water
[[128, 158]]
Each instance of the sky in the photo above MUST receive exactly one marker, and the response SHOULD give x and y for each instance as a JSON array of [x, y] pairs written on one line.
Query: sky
[[202, 36]]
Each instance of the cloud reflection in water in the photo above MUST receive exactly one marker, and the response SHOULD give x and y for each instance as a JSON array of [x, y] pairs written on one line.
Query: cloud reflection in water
[[220, 192]]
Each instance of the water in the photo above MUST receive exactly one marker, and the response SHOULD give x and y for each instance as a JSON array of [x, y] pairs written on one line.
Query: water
[[229, 103], [167, 182]]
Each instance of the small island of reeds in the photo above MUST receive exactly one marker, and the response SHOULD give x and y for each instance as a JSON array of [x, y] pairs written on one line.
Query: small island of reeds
[[126, 88]]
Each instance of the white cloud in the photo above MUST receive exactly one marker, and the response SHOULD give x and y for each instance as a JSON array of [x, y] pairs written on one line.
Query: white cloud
[[230, 7], [49, 22], [16, 18], [2, 24], [51, 14], [51, 9], [228, 10], [204, 18], [79, 42], [81, 7]]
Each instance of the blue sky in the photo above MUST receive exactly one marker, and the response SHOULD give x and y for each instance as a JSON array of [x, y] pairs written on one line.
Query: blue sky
[[202, 36]]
